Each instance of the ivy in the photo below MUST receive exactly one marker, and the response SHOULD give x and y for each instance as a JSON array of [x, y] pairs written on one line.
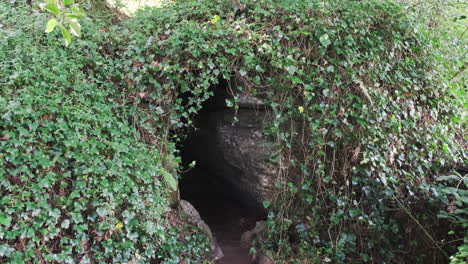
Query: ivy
[[363, 120], [79, 181], [366, 115]]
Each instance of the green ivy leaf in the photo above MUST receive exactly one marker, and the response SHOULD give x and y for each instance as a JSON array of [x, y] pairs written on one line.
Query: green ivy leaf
[[55, 213], [215, 19], [43, 183], [67, 2], [192, 164], [6, 251], [291, 69], [77, 218], [5, 220], [101, 211], [51, 25], [325, 40], [65, 224]]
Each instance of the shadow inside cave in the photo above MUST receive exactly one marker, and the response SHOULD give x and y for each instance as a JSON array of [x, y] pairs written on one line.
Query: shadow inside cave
[[220, 204]]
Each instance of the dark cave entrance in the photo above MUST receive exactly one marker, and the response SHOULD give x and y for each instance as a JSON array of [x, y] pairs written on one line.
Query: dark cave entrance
[[217, 202], [221, 204]]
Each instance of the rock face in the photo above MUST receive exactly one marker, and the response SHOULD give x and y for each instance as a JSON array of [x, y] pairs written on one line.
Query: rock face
[[237, 151], [195, 218]]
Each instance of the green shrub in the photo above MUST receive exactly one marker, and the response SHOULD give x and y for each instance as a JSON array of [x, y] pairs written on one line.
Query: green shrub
[[78, 183]]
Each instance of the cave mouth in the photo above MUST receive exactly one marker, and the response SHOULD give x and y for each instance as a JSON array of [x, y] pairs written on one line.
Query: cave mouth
[[225, 208], [217, 202]]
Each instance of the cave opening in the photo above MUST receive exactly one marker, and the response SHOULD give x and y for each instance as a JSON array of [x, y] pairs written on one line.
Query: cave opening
[[210, 186]]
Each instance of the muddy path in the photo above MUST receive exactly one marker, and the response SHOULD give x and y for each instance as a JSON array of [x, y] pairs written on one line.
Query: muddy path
[[228, 220], [220, 206]]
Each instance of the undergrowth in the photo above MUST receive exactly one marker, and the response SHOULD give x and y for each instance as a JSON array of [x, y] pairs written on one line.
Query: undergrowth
[[365, 116], [365, 119], [78, 184]]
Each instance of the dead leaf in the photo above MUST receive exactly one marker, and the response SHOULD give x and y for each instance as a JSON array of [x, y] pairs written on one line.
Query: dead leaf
[[85, 245], [129, 81], [137, 64]]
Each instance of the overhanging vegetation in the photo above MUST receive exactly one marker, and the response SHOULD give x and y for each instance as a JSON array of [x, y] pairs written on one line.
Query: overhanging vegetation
[[366, 119]]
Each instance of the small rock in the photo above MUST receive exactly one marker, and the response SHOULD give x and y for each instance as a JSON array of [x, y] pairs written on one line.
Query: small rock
[[247, 239], [217, 252], [195, 218], [190, 211]]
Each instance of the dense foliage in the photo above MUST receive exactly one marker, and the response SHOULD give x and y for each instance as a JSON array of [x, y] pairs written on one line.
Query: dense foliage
[[365, 116], [77, 181], [365, 119]]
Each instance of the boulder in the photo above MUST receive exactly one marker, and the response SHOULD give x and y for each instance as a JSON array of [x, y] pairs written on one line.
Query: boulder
[[246, 240], [195, 218], [248, 237]]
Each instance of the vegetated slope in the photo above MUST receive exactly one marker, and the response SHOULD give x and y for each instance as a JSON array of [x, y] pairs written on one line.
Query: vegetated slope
[[365, 118], [78, 182], [364, 122]]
